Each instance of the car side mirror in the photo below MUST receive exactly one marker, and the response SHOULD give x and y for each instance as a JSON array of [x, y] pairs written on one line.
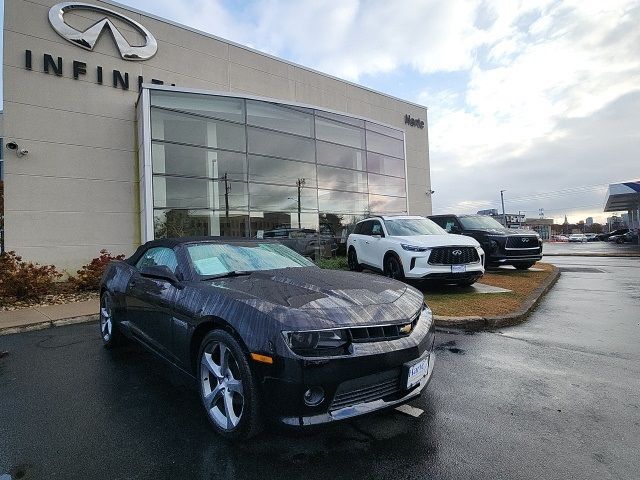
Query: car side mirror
[[455, 229], [161, 272]]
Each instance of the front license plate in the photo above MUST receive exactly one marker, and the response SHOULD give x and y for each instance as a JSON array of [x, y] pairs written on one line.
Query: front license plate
[[458, 268], [417, 372]]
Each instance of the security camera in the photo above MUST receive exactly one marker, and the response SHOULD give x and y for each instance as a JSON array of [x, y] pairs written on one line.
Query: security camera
[[12, 145]]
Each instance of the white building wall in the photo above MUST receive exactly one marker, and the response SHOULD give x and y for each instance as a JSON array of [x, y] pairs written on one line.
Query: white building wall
[[78, 189]]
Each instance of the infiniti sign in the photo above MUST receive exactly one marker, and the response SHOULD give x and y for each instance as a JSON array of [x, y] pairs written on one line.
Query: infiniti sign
[[88, 38]]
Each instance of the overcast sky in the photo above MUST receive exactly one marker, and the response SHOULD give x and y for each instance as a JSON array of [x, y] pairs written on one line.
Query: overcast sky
[[538, 98]]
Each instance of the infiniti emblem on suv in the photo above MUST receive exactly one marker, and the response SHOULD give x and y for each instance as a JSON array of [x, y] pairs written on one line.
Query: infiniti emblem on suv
[[457, 252], [525, 240]]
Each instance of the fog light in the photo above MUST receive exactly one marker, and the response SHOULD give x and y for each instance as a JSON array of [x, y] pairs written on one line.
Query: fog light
[[314, 396]]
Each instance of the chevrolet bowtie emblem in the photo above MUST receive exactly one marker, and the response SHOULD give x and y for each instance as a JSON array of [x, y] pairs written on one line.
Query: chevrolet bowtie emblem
[[88, 38]]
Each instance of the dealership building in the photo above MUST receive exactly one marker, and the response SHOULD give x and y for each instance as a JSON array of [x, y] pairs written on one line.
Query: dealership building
[[120, 127]]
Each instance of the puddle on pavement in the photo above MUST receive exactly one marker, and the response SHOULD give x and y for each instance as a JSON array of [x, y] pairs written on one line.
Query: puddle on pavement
[[451, 347]]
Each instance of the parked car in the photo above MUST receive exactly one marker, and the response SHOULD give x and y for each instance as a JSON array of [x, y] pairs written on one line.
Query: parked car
[[306, 241], [607, 236], [591, 237], [413, 247], [578, 237], [267, 334], [502, 246], [629, 237], [560, 238]]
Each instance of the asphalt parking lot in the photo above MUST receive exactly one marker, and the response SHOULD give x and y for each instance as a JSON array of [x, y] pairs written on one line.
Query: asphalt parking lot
[[557, 397]]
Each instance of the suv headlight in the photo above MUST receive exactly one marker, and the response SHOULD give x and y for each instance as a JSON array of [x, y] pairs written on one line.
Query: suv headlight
[[413, 248], [318, 342]]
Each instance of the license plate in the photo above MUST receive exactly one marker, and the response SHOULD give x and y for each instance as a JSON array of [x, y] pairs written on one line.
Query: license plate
[[417, 372], [458, 268]]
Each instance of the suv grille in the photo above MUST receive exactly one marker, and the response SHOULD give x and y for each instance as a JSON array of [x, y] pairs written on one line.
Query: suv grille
[[453, 255], [522, 242], [366, 389]]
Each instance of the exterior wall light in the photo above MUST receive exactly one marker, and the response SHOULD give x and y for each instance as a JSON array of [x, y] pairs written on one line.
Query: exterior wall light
[[20, 152]]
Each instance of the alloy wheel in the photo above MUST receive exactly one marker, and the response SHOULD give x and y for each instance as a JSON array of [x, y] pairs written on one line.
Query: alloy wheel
[[393, 269], [106, 317], [222, 390]]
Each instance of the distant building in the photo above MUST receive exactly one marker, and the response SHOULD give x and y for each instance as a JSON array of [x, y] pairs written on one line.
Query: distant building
[[542, 226], [589, 221]]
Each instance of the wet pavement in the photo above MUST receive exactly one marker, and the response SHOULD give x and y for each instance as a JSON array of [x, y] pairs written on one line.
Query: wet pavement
[[588, 248], [554, 398]]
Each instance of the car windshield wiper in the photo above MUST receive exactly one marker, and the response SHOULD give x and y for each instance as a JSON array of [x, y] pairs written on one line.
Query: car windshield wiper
[[232, 273]]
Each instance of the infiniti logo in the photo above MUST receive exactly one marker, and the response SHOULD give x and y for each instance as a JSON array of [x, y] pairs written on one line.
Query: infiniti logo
[[456, 252], [525, 240], [89, 37]]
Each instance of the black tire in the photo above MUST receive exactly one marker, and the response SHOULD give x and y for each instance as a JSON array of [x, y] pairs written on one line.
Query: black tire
[[393, 268], [524, 266], [249, 422], [465, 283], [352, 261], [109, 332]]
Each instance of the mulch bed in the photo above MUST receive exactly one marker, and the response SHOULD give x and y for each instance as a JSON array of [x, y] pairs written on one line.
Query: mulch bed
[[63, 292]]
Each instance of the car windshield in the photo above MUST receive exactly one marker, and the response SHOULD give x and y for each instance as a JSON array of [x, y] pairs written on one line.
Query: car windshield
[[406, 227], [479, 222], [212, 259]]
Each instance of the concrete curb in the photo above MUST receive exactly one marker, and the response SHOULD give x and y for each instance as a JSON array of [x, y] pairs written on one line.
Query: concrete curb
[[48, 324], [513, 318]]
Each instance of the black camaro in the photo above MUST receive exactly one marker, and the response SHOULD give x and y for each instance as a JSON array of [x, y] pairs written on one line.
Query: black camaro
[[266, 333]]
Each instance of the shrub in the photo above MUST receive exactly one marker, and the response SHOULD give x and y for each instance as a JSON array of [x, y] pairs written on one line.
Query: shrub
[[336, 263], [89, 275], [22, 280]]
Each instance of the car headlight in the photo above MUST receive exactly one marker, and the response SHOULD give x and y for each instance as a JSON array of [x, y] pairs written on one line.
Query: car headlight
[[318, 342], [413, 248]]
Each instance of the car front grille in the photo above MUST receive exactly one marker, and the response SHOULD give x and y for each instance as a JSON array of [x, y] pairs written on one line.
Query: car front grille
[[366, 389], [453, 255], [525, 242]]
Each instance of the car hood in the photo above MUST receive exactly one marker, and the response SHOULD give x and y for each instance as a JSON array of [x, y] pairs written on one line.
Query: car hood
[[444, 240], [316, 298]]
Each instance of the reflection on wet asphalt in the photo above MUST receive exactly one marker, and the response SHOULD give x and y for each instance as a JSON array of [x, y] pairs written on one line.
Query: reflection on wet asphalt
[[556, 397]]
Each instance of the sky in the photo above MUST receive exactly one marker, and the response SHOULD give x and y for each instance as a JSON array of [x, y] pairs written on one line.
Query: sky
[[538, 98]]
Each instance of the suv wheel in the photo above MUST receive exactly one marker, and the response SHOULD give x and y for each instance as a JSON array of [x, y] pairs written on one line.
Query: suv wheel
[[352, 261], [524, 266], [393, 268], [228, 388]]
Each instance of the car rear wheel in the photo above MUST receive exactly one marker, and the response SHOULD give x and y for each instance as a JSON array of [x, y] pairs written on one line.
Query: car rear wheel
[[228, 388], [393, 268], [352, 261], [109, 332], [524, 266]]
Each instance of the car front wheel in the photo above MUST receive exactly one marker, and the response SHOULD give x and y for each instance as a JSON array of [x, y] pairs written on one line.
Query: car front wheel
[[109, 332], [352, 261], [393, 268], [228, 388]]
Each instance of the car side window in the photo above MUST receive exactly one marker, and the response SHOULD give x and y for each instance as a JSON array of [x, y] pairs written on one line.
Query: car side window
[[449, 224], [158, 256], [376, 229], [366, 228]]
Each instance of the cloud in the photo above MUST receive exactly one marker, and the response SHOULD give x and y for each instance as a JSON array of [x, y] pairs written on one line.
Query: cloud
[[539, 78]]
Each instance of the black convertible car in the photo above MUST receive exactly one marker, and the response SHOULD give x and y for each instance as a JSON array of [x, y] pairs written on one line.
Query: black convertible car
[[266, 333]]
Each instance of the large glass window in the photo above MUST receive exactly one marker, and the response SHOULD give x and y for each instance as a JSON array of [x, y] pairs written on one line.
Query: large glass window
[[337, 132], [340, 156], [283, 172], [242, 167], [183, 128], [276, 144], [281, 118]]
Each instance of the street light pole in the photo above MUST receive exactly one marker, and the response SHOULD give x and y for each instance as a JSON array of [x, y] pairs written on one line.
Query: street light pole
[[504, 217], [301, 182]]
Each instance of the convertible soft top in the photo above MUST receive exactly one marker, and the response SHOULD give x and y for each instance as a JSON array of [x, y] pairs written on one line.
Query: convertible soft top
[[173, 242]]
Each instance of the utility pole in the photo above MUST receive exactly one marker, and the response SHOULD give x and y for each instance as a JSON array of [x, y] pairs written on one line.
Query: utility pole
[[300, 183], [227, 188], [504, 217]]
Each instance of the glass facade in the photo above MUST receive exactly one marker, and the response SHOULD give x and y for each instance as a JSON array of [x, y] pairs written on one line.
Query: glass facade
[[232, 166]]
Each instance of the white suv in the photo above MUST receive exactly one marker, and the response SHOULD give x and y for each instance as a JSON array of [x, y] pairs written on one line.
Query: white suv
[[414, 247]]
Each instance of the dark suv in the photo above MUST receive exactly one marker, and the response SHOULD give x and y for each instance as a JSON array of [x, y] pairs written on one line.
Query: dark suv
[[502, 246]]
